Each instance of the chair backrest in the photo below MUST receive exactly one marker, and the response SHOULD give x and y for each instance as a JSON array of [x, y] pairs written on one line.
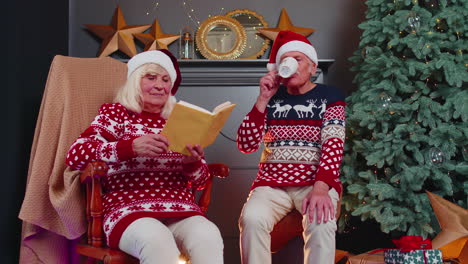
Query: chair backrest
[[88, 83], [52, 205]]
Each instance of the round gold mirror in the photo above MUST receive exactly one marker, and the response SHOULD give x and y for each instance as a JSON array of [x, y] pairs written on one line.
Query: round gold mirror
[[251, 21], [220, 37]]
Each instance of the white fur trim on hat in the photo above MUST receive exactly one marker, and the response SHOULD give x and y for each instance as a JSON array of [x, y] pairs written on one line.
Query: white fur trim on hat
[[152, 56], [300, 46]]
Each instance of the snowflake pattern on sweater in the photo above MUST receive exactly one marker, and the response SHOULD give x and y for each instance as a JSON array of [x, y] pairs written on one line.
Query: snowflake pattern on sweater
[[136, 187], [303, 137]]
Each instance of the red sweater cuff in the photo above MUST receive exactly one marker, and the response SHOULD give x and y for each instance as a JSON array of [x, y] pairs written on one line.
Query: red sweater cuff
[[328, 178], [191, 167], [125, 149], [256, 116]]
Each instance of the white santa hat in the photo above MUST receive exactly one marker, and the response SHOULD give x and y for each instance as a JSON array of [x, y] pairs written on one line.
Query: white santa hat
[[289, 41], [162, 57]]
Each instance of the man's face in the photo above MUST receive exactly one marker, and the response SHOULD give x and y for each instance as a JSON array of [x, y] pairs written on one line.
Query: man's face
[[304, 71]]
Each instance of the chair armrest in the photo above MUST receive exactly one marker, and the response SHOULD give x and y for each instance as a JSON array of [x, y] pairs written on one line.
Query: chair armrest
[[95, 169], [219, 170], [91, 177]]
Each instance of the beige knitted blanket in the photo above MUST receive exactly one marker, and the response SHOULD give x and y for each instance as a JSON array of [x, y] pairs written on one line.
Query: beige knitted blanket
[[53, 210]]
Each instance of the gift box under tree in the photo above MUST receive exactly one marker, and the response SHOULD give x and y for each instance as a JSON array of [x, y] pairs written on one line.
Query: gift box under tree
[[413, 250], [420, 256]]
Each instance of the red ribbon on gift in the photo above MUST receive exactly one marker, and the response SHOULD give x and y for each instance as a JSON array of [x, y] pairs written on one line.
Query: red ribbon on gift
[[410, 243]]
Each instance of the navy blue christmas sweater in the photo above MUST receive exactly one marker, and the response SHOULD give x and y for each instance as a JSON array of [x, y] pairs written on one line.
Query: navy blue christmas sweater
[[303, 137]]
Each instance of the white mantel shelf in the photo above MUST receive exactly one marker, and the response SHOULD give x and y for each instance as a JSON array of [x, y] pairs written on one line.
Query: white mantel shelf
[[201, 72]]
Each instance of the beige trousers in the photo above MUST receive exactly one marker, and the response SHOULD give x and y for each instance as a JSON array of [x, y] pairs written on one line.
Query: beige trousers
[[155, 242], [268, 205]]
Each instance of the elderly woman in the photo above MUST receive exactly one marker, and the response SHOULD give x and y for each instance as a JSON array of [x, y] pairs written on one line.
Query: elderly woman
[[148, 210]]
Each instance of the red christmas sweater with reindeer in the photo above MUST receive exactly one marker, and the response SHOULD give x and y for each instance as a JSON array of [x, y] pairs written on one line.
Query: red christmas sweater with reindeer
[[303, 137], [136, 186]]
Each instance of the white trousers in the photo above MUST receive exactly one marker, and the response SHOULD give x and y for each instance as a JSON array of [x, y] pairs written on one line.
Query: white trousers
[[155, 242], [268, 205]]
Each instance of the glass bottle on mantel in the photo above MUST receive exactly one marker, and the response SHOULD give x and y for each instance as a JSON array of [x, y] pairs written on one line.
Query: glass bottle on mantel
[[186, 45]]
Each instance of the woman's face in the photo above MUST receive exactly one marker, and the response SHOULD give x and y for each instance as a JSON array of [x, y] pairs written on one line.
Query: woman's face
[[305, 69], [155, 89]]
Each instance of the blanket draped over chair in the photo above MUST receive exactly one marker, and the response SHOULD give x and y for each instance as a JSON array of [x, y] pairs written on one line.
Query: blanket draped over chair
[[53, 210]]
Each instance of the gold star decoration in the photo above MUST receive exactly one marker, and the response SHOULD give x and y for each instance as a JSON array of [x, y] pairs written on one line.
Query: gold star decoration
[[453, 220], [117, 36], [285, 24], [156, 39]]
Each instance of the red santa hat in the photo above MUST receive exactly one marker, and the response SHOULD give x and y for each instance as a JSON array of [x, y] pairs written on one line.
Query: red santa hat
[[162, 57], [289, 41]]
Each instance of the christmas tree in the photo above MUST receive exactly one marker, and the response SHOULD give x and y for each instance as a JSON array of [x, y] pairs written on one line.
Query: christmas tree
[[407, 123]]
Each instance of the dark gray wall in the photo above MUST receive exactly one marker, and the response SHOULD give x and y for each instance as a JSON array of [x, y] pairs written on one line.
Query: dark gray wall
[[335, 21]]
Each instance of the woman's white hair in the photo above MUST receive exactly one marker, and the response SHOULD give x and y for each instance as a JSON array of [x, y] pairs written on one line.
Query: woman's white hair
[[130, 94]]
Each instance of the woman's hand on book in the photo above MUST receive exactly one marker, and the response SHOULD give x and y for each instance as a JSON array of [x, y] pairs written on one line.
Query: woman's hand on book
[[150, 145], [196, 152]]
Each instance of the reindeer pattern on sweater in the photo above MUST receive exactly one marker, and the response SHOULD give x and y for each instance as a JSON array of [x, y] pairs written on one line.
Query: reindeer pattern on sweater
[[303, 138]]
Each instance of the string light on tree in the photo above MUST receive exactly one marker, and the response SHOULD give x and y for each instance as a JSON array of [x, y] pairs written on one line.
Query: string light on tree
[[388, 172], [398, 4], [429, 3], [441, 25]]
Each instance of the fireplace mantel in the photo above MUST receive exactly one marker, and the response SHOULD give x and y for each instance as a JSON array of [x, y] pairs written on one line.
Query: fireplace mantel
[[202, 72]]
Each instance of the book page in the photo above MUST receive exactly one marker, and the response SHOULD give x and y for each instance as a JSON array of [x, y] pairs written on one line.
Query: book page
[[196, 107], [221, 106], [186, 125]]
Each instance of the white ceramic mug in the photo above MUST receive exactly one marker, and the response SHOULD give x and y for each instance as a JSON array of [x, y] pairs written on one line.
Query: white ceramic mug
[[287, 67]]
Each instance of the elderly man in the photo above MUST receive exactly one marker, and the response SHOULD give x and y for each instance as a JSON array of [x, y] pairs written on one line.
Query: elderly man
[[302, 125]]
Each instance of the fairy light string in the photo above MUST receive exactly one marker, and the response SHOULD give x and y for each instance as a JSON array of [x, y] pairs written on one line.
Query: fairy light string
[[154, 9], [190, 12]]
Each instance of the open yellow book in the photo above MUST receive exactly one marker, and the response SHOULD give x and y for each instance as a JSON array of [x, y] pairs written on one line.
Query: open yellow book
[[191, 124]]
